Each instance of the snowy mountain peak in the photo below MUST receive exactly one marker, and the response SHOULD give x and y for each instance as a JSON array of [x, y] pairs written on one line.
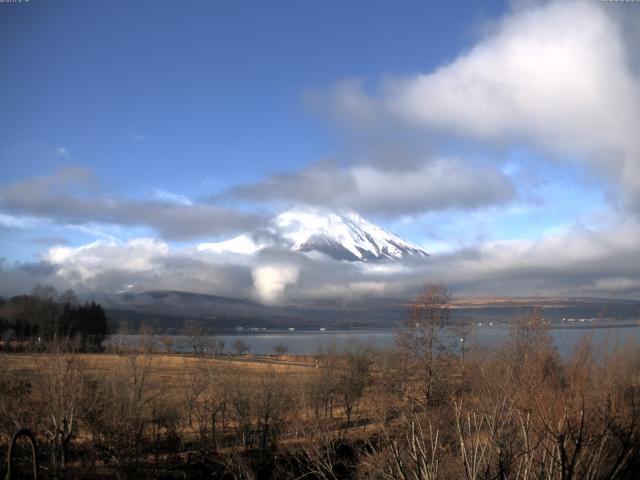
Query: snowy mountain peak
[[343, 235]]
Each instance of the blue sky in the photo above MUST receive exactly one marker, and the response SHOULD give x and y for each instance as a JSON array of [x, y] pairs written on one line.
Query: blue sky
[[234, 110], [215, 88]]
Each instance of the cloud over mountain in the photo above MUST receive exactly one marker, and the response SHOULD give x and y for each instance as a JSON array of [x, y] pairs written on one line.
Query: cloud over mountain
[[434, 185], [598, 260]]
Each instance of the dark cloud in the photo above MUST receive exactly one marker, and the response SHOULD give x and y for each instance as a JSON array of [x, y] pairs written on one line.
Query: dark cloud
[[20, 278], [434, 185], [44, 270], [73, 196], [320, 183]]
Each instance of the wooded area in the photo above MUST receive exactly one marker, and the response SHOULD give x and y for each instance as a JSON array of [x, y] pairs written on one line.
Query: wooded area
[[46, 318]]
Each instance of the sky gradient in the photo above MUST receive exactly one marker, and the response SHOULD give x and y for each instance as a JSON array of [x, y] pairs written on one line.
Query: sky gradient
[[500, 137]]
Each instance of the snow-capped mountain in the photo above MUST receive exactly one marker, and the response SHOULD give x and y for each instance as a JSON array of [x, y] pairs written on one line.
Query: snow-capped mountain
[[343, 235]]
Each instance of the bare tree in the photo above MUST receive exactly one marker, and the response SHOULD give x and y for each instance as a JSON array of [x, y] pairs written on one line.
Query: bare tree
[[410, 451], [206, 396], [240, 346], [421, 336], [471, 445], [125, 410], [353, 377], [324, 387], [196, 335], [271, 407], [316, 456], [280, 349], [167, 343], [62, 390], [531, 339]]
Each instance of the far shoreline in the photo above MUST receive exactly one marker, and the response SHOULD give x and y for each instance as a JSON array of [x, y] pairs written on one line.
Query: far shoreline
[[306, 331]]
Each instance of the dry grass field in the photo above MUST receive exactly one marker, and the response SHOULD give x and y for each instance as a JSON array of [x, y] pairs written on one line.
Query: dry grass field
[[169, 373], [170, 367], [418, 412]]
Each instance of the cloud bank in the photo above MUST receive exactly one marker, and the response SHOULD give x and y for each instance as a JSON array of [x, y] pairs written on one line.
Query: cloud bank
[[589, 261], [557, 77], [435, 185], [72, 195]]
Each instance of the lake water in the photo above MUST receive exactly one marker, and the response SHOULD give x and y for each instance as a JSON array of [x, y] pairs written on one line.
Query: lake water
[[297, 342]]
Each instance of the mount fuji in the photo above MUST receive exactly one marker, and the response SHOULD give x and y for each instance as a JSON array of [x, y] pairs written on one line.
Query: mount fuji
[[342, 235]]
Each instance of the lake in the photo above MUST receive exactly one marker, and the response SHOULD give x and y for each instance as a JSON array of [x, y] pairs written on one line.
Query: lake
[[305, 342]]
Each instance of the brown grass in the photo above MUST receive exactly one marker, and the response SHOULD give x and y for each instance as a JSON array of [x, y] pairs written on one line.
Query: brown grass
[[171, 368]]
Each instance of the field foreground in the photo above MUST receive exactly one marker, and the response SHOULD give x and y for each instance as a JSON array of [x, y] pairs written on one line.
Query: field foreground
[[520, 412]]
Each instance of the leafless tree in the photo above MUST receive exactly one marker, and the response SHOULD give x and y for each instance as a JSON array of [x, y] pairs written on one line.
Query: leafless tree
[[280, 349], [411, 450], [196, 335], [62, 388], [421, 336], [315, 457], [167, 343], [240, 346], [353, 377], [206, 395], [271, 407]]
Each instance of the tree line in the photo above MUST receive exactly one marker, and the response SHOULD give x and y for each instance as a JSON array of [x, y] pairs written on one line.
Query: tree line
[[46, 316]]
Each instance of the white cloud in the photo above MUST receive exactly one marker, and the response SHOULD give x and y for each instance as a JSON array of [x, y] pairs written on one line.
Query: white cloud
[[61, 152], [92, 260], [136, 137], [19, 222], [270, 281], [435, 185], [170, 197], [578, 260], [555, 76]]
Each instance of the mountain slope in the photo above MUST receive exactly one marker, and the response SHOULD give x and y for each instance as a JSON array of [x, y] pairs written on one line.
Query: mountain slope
[[342, 235], [172, 309]]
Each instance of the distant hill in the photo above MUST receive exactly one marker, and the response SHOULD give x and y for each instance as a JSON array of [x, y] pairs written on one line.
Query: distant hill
[[170, 310]]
